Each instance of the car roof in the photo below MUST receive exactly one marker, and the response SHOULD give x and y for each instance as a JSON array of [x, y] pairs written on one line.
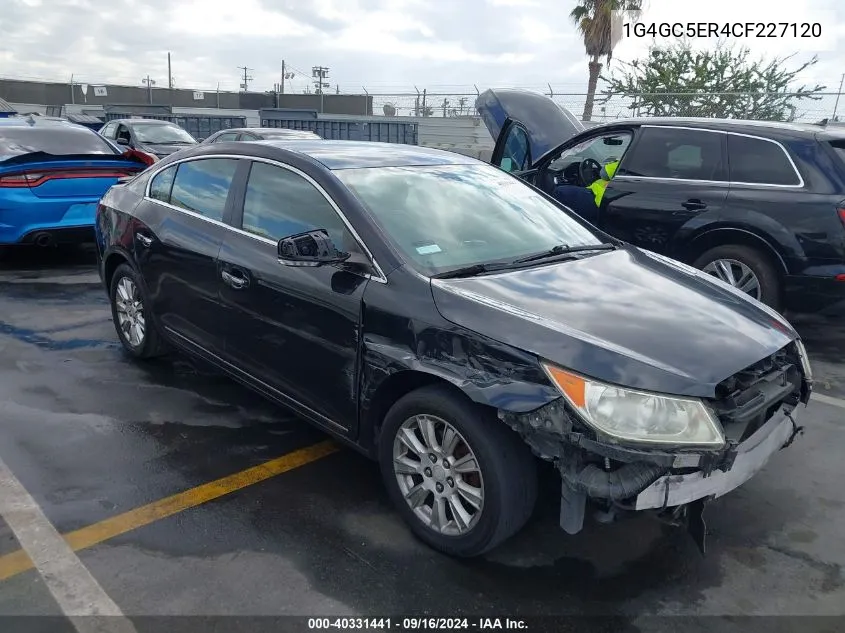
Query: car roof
[[41, 122], [729, 125], [264, 130], [357, 154], [141, 120]]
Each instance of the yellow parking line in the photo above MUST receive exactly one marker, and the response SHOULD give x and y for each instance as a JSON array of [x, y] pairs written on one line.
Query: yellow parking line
[[18, 561]]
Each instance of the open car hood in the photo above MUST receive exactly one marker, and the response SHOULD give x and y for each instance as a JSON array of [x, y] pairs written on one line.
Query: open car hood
[[548, 124]]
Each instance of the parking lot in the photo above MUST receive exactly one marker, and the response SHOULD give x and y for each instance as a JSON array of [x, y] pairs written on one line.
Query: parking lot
[[183, 493]]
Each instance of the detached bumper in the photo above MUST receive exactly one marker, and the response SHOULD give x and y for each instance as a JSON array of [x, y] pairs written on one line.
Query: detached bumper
[[751, 455]]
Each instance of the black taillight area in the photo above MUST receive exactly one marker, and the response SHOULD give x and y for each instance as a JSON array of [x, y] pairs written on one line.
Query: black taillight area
[[33, 179]]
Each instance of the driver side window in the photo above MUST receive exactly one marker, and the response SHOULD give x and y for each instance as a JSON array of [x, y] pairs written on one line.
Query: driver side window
[[517, 153], [605, 149]]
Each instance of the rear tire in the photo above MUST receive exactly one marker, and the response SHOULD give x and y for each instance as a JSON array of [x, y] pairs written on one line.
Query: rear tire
[[131, 315], [489, 471], [734, 261]]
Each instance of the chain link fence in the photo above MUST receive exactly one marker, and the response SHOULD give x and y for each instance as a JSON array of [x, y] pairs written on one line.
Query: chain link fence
[[755, 106]]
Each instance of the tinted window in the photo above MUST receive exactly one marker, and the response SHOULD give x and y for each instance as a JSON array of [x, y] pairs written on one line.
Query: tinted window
[[759, 161], [161, 184], [56, 140], [203, 185], [279, 203], [449, 216], [665, 152], [839, 147], [516, 155], [229, 136]]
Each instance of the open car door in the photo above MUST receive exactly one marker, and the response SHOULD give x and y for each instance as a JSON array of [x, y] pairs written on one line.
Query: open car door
[[525, 125]]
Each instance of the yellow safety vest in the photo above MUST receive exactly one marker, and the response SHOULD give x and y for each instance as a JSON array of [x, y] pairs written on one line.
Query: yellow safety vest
[[600, 185]]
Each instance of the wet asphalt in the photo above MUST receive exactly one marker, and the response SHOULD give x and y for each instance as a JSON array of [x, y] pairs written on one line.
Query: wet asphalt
[[92, 434]]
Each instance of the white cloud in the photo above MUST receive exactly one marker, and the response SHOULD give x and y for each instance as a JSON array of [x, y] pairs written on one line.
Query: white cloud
[[383, 45]]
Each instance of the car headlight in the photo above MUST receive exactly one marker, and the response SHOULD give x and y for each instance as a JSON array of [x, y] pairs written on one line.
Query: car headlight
[[638, 416], [805, 360]]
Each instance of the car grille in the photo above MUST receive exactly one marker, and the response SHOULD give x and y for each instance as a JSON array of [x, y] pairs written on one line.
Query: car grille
[[748, 399]]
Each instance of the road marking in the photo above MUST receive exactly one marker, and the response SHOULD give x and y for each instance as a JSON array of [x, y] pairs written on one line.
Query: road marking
[[77, 593], [834, 402], [17, 562]]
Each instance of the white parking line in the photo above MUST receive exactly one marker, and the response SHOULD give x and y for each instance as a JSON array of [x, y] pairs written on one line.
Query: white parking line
[[78, 594], [834, 402]]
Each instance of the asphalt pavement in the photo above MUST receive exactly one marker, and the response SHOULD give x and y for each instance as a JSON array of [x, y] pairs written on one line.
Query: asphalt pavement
[[178, 493]]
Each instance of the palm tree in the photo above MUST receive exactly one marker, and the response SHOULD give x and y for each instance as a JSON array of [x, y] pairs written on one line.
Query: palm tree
[[595, 20]]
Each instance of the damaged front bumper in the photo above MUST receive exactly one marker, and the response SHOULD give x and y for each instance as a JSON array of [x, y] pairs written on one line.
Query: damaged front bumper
[[619, 478], [747, 459]]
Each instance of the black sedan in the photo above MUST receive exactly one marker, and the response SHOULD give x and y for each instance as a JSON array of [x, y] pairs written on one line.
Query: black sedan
[[759, 204], [259, 134], [448, 320], [160, 138]]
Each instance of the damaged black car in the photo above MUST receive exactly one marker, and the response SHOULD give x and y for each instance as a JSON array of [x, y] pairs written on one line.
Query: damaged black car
[[456, 324]]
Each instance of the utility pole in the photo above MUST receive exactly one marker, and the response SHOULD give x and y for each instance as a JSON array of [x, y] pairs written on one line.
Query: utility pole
[[247, 77], [320, 74], [169, 74], [838, 94], [149, 83]]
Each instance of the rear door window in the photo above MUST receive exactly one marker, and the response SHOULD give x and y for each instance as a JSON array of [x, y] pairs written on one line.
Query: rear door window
[[202, 186], [675, 153], [759, 161]]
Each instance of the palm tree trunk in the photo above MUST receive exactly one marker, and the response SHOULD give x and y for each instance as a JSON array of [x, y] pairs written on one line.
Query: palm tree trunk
[[595, 70]]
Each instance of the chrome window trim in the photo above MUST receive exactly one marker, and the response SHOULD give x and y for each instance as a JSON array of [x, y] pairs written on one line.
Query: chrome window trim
[[800, 184], [380, 277]]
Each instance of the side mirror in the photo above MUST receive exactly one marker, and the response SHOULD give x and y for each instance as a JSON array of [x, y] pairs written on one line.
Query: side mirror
[[122, 141], [312, 248]]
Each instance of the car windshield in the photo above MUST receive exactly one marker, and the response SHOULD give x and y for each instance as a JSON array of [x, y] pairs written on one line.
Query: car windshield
[[450, 216], [15, 141], [158, 134]]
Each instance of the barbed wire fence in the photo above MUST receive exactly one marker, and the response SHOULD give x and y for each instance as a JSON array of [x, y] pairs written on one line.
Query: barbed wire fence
[[458, 101], [609, 107]]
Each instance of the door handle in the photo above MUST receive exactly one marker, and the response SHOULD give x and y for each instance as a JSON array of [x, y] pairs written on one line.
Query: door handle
[[235, 281], [694, 205], [145, 241]]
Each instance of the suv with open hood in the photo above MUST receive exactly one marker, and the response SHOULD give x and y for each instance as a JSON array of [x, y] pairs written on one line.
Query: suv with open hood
[[758, 204]]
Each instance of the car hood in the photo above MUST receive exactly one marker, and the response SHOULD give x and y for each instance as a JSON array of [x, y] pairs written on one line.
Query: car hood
[[628, 317], [162, 150], [547, 123]]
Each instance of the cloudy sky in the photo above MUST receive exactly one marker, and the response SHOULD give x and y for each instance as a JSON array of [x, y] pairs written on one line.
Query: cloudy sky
[[383, 45]]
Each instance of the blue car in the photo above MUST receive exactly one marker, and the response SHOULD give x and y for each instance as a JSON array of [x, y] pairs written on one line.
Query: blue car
[[52, 174]]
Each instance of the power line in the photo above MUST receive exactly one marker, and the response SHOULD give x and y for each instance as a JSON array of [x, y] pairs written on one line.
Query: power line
[[246, 78]]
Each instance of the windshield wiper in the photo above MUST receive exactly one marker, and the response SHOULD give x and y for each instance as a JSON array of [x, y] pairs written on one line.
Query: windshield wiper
[[564, 249], [472, 271]]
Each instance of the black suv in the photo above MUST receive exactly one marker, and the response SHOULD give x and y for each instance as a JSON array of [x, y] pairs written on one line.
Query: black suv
[[757, 204]]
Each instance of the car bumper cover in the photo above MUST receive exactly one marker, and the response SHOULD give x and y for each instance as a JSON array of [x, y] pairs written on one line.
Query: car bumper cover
[[751, 455]]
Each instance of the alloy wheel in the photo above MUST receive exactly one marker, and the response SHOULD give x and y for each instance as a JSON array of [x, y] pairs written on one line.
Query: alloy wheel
[[130, 312], [438, 474], [736, 274]]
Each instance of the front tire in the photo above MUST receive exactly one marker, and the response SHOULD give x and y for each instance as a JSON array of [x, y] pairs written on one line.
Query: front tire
[[746, 269], [131, 314], [460, 478]]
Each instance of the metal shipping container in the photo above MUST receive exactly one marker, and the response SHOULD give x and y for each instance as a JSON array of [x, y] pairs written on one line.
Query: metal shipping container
[[198, 126], [347, 129]]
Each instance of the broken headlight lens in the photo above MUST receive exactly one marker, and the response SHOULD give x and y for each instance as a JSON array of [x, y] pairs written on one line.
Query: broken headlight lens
[[638, 416]]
